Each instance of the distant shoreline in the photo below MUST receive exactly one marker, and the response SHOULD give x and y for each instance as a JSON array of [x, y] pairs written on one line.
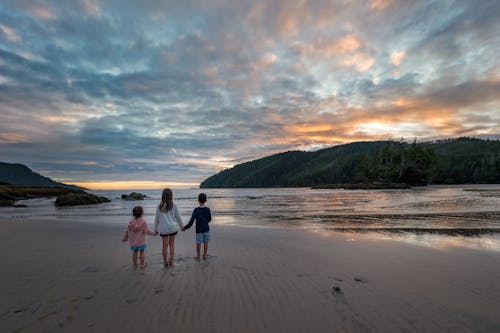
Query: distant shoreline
[[355, 186], [365, 186]]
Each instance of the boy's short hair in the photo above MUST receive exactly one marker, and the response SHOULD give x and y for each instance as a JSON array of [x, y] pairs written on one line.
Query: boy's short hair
[[137, 211], [202, 197]]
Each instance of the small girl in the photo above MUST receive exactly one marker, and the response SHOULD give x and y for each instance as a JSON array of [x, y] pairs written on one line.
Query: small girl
[[136, 233], [168, 222]]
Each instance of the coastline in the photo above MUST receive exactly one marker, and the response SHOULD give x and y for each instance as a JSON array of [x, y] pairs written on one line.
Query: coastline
[[10, 195], [64, 276]]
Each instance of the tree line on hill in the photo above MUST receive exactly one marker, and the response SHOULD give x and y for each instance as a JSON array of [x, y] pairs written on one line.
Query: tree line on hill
[[451, 161], [19, 174]]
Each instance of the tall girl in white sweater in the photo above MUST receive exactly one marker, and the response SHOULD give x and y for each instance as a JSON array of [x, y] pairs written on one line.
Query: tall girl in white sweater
[[168, 222]]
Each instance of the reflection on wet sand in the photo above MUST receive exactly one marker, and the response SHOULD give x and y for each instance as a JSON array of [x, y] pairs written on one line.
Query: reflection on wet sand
[[442, 240], [471, 232], [441, 217]]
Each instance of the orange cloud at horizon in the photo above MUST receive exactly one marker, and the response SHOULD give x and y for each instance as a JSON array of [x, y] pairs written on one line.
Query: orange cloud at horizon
[[131, 184], [12, 138], [404, 102], [307, 128], [401, 117]]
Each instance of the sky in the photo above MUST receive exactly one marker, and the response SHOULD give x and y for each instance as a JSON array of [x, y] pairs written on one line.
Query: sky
[[115, 94]]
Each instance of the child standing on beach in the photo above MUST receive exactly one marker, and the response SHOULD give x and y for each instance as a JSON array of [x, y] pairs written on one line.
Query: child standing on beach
[[202, 216], [136, 233], [168, 222]]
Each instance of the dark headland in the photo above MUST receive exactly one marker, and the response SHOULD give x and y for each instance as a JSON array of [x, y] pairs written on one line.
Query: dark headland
[[371, 165], [18, 182]]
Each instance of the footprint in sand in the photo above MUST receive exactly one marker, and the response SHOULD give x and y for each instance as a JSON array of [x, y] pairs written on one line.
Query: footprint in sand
[[159, 291], [339, 297], [20, 310], [90, 269], [42, 317], [33, 307], [360, 279], [302, 275], [240, 268], [131, 300], [336, 290]]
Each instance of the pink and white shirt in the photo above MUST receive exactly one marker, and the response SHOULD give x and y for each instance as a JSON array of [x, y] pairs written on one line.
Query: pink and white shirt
[[136, 232]]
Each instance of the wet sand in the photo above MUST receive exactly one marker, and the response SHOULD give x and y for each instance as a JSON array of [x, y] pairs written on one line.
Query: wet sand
[[73, 277]]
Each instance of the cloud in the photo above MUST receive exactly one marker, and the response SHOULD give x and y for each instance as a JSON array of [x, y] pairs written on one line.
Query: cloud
[[91, 7], [361, 61], [10, 34], [380, 4], [38, 9], [397, 57], [176, 91]]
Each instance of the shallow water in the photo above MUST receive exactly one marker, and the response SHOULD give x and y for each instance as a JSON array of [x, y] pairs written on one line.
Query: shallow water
[[467, 215]]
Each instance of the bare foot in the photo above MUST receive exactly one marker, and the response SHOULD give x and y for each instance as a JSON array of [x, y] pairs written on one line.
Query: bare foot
[[196, 257], [171, 262], [205, 256], [143, 265]]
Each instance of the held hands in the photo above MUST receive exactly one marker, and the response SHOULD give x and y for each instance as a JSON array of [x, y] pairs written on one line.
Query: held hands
[[183, 229]]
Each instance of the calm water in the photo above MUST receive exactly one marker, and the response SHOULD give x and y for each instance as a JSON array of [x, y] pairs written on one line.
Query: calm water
[[434, 215]]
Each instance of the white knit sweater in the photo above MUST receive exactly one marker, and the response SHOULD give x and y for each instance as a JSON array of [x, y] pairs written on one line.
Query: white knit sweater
[[168, 222]]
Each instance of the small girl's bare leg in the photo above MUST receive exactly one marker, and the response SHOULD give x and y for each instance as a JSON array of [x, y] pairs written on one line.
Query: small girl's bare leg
[[142, 259], [134, 258]]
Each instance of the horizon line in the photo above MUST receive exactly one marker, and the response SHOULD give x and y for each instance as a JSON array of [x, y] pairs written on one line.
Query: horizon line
[[131, 184]]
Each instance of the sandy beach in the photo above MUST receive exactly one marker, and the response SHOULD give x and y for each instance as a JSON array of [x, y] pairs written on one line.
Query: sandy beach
[[75, 277]]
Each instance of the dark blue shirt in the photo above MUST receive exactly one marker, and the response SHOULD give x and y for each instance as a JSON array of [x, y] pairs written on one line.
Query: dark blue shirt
[[202, 217]]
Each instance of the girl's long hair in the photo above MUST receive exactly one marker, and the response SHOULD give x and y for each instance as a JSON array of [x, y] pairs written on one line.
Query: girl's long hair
[[167, 200]]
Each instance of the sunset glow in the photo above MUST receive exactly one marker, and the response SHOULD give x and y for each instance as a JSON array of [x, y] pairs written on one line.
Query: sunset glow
[[132, 185], [109, 94]]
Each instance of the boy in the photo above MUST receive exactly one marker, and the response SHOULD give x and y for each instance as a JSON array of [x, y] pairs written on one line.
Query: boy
[[202, 217]]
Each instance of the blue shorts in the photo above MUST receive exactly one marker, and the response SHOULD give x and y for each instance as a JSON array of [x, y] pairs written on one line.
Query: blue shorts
[[203, 237], [138, 248]]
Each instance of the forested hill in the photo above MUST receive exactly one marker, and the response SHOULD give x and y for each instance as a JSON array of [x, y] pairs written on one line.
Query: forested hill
[[452, 161], [18, 174]]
